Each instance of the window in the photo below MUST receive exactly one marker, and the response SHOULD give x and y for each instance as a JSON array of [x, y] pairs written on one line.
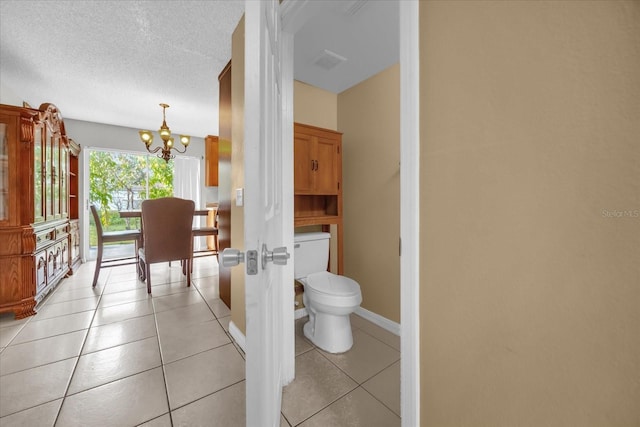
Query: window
[[121, 181]]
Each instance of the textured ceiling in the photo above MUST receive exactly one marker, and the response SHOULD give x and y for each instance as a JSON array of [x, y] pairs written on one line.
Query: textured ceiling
[[363, 33], [113, 62]]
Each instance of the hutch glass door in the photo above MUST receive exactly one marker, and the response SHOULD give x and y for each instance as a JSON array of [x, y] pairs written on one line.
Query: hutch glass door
[[38, 175]]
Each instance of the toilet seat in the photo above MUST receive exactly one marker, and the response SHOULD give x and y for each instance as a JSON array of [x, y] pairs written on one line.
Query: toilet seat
[[331, 284]]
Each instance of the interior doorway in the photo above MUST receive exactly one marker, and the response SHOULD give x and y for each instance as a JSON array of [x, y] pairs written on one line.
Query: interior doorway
[[408, 140]]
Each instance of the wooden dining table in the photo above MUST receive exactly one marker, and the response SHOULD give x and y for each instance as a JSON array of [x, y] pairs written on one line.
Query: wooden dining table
[[137, 213], [197, 231]]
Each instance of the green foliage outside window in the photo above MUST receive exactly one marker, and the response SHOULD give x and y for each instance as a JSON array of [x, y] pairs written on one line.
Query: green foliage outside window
[[121, 181]]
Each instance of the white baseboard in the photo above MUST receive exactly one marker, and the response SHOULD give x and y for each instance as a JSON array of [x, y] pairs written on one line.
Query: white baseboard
[[300, 313], [383, 322], [374, 318], [237, 335]]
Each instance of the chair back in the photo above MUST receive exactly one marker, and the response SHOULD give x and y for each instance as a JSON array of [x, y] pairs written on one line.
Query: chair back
[[166, 225], [96, 219]]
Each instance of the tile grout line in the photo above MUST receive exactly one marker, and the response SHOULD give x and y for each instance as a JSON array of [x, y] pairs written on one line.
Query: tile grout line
[[380, 401], [29, 320], [373, 336], [84, 341], [207, 395], [162, 364], [329, 404], [235, 345], [358, 384], [94, 310]]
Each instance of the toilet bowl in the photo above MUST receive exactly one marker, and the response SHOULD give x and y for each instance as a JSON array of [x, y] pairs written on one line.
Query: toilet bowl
[[329, 298]]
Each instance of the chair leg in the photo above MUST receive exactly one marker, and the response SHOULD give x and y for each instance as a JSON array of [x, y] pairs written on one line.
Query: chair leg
[[188, 264], [138, 265], [148, 274], [142, 269], [98, 265]]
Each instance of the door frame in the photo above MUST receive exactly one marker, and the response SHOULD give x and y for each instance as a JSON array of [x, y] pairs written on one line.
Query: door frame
[[410, 212], [295, 15]]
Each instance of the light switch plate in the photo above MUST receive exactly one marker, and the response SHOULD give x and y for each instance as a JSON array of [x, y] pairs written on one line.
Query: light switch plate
[[239, 196]]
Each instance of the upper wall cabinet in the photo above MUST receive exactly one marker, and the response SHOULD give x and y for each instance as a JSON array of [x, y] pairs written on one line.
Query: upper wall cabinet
[[211, 161], [317, 160], [317, 156]]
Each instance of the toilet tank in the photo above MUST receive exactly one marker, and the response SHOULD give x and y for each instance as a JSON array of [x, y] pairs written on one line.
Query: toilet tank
[[311, 252]]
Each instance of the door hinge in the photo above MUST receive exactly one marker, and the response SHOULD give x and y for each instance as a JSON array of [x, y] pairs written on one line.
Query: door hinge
[[399, 246]]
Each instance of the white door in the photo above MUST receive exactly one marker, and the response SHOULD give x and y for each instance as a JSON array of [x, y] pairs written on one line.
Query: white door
[[268, 220]]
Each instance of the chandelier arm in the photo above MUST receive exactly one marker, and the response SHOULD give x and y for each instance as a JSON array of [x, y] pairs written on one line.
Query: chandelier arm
[[176, 148], [155, 150]]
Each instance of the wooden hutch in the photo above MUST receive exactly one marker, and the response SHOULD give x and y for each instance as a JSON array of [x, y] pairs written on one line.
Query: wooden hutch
[[39, 232]]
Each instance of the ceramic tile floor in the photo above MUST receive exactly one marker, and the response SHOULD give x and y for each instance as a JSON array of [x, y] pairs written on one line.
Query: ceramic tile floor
[[114, 356]]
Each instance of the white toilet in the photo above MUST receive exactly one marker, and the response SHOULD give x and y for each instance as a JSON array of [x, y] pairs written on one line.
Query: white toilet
[[328, 298]]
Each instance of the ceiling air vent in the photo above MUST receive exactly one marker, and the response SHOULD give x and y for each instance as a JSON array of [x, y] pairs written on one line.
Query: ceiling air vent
[[328, 59]]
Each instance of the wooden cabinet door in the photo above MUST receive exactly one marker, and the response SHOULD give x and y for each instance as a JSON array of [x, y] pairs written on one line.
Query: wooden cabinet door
[[51, 262], [65, 254], [47, 181], [39, 174], [316, 164], [224, 179], [326, 167], [211, 161], [64, 181], [55, 176], [303, 177], [9, 175], [41, 271]]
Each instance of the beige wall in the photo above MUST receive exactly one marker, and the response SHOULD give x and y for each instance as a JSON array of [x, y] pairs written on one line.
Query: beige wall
[[237, 172], [314, 106], [368, 115], [530, 279]]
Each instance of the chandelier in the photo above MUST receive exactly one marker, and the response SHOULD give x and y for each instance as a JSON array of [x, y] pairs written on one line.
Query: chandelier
[[165, 134]]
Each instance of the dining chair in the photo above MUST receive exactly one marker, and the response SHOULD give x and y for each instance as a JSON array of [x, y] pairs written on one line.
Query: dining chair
[[166, 225], [112, 237], [207, 231]]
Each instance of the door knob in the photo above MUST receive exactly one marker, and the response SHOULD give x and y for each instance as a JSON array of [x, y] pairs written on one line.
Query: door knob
[[279, 256], [232, 257]]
